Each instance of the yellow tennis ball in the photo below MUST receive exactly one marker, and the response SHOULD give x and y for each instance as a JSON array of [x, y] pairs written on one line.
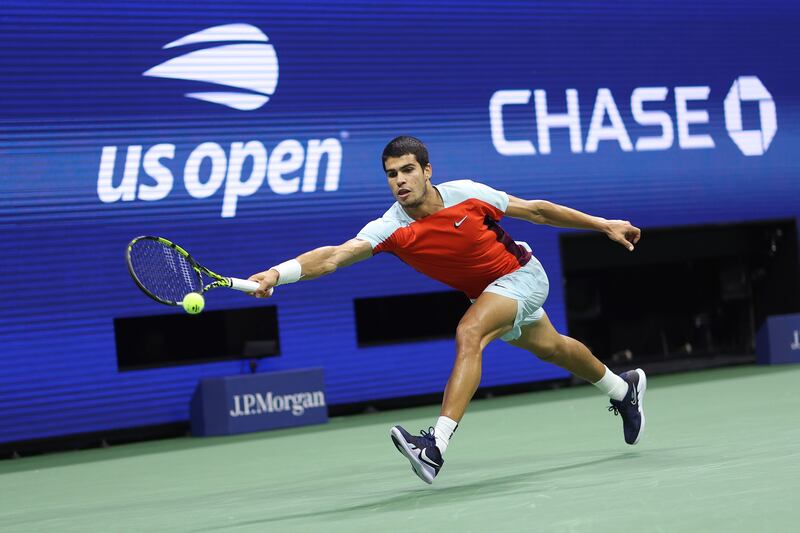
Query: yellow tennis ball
[[193, 303]]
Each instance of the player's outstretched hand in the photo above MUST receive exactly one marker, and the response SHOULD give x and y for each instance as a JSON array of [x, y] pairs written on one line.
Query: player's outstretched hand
[[266, 281], [623, 232]]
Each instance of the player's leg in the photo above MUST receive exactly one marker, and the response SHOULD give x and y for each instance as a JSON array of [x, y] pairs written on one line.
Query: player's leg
[[542, 339], [626, 391], [491, 316]]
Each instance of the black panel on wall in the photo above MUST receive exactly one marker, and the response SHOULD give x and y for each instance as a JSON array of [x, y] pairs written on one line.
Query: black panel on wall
[[409, 318], [165, 340], [689, 291]]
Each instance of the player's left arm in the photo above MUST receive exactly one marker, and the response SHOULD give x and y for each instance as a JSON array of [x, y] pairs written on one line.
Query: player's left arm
[[544, 212]]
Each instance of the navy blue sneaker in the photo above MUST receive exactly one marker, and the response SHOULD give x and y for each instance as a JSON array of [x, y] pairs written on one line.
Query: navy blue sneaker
[[631, 407], [425, 458]]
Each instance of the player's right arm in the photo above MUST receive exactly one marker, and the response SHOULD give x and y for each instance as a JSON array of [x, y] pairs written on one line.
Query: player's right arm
[[316, 263]]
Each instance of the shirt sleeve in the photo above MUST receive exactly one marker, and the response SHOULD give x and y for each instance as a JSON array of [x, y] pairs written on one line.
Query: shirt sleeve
[[498, 199], [460, 190], [378, 232]]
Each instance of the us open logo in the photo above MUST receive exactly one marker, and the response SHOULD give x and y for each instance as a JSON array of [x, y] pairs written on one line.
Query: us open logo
[[250, 64]]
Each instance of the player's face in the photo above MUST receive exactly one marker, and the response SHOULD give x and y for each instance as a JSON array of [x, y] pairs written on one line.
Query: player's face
[[407, 179]]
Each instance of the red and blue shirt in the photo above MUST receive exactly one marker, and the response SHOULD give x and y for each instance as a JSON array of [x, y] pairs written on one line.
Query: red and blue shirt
[[462, 245]]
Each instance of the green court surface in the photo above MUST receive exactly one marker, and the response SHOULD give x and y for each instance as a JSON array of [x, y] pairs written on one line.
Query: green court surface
[[720, 453]]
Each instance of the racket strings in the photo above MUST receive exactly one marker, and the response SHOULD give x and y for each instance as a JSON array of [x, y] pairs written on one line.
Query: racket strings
[[164, 272], [183, 267]]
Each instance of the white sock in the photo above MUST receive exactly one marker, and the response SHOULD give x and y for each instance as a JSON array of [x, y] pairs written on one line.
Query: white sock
[[613, 385], [445, 427]]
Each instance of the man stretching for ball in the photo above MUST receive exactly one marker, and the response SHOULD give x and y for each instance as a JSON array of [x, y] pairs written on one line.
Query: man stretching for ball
[[450, 232]]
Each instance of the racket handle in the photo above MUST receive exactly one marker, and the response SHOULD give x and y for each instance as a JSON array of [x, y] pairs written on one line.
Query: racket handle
[[244, 285]]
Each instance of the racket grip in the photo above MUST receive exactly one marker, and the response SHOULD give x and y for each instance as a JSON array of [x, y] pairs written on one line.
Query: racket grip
[[244, 285]]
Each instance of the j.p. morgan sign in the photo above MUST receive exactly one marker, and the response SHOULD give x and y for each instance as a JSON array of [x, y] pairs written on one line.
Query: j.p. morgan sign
[[257, 402]]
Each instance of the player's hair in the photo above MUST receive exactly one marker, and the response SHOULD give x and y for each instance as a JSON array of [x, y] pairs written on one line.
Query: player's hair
[[403, 145]]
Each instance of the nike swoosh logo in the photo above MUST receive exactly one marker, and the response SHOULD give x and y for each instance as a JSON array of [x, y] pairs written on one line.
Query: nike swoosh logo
[[635, 395], [425, 459], [457, 224]]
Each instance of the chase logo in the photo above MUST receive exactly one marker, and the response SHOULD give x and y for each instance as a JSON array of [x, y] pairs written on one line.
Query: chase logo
[[750, 89], [250, 66], [607, 124]]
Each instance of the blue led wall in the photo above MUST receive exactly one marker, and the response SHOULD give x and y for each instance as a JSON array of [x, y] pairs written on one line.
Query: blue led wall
[[250, 132]]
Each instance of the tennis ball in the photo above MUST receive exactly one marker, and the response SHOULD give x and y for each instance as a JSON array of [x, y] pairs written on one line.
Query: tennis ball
[[193, 303]]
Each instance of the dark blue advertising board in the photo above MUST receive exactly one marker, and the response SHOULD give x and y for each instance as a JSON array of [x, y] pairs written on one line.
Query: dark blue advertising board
[[257, 402], [778, 340], [252, 132]]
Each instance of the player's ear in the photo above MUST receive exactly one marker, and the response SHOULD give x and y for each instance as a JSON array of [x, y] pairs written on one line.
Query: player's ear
[[427, 171]]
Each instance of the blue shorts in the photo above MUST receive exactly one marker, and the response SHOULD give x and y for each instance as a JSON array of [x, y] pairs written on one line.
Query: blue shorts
[[529, 286]]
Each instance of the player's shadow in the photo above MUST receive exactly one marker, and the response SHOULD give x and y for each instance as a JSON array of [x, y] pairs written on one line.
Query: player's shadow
[[413, 500]]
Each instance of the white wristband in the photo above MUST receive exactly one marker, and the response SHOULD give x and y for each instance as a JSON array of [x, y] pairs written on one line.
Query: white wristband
[[290, 272]]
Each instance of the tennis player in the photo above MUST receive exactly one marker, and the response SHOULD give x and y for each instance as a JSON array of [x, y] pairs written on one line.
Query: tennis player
[[450, 232]]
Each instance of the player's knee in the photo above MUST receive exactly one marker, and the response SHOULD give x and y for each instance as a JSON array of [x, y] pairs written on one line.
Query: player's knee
[[468, 335], [550, 349]]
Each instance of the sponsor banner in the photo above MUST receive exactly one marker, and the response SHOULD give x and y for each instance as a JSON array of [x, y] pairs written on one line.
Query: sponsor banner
[[607, 124], [252, 132], [257, 402], [778, 340]]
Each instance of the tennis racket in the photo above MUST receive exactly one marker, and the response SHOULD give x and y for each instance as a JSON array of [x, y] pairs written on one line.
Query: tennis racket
[[167, 273]]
